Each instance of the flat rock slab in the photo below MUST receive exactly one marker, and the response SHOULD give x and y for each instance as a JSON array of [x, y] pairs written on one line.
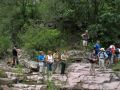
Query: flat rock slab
[[6, 81], [78, 76], [29, 87]]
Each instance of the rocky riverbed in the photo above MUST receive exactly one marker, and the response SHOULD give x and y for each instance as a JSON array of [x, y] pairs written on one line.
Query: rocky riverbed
[[77, 77]]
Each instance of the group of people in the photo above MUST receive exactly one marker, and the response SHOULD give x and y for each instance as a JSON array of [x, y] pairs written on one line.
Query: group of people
[[52, 61], [104, 58]]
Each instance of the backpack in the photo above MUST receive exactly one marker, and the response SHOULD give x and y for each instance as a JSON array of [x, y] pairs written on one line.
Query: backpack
[[117, 51], [105, 56], [109, 53]]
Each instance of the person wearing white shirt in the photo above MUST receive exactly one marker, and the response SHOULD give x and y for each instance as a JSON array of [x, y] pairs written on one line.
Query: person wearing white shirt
[[49, 61]]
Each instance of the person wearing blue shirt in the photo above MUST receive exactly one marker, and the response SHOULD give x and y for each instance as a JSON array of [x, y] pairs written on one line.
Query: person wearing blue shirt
[[41, 59], [97, 47]]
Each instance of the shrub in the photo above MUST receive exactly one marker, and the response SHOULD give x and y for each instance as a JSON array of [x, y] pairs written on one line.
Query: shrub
[[42, 39], [5, 43]]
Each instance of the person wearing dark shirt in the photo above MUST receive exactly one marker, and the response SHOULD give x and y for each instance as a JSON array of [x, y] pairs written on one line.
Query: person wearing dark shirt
[[15, 56], [92, 60]]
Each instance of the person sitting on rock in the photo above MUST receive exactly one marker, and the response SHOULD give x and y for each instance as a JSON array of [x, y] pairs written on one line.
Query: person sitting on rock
[[41, 60], [92, 59]]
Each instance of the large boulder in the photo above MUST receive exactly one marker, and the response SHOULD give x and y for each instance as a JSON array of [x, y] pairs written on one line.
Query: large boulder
[[78, 55], [24, 59]]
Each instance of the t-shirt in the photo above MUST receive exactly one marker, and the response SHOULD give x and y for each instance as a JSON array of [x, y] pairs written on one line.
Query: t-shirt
[[97, 48], [85, 37], [64, 57], [56, 56], [14, 52], [50, 58], [41, 57]]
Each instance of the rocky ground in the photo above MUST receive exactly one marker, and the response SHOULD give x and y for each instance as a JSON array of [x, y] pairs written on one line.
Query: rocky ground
[[77, 77]]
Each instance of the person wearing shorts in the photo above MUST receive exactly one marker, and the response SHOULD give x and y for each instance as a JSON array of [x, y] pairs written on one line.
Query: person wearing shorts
[[85, 38]]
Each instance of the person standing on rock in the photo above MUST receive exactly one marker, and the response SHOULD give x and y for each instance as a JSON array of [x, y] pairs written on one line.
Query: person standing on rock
[[15, 56], [97, 47], [112, 47], [64, 58], [85, 38], [92, 59], [41, 60], [49, 61], [102, 57], [57, 58]]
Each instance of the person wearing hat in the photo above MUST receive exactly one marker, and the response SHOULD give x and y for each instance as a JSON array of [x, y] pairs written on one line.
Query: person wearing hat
[[112, 47], [102, 55]]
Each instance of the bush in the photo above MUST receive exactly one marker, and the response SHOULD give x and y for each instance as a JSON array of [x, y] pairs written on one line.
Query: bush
[[42, 39], [5, 43]]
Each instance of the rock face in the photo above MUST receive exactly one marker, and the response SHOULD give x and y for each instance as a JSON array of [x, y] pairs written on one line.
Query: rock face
[[25, 60], [77, 55]]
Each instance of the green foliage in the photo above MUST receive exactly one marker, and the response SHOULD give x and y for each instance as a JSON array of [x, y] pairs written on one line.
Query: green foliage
[[4, 44], [41, 39], [21, 22], [19, 69]]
